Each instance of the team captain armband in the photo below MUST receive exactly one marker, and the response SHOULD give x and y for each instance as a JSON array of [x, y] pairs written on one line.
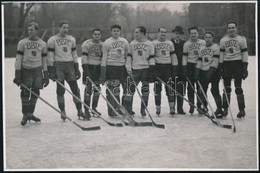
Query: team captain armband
[[50, 49], [20, 52], [215, 56], [44, 54], [151, 56], [85, 53], [200, 58], [172, 52], [186, 54], [222, 50], [244, 50], [129, 54], [74, 48]]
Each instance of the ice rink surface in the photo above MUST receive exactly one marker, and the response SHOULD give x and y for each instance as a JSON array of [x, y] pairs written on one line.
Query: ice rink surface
[[188, 142]]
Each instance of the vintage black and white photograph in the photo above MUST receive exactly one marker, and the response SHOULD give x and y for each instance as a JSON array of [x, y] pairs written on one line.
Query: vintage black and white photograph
[[130, 85]]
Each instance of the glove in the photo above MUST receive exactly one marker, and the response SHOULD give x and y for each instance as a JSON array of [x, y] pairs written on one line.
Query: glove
[[244, 70], [220, 69], [85, 73], [102, 77], [77, 72], [174, 71], [18, 77], [197, 74], [152, 73], [129, 71], [45, 81], [52, 72], [210, 73], [184, 72]]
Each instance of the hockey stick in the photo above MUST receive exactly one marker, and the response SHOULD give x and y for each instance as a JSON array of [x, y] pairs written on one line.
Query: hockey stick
[[156, 125], [82, 128], [109, 104], [44, 33], [131, 121], [109, 123], [207, 115], [198, 95], [234, 129]]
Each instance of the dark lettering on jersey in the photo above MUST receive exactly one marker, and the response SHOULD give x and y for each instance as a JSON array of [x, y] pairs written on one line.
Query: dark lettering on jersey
[[195, 46], [233, 43], [117, 44], [32, 45], [160, 46], [95, 47], [207, 51], [142, 46], [63, 41]]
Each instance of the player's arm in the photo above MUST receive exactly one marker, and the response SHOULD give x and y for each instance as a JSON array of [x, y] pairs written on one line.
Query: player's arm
[[216, 55], [18, 64], [74, 51], [174, 60], [45, 64], [184, 60], [243, 46], [44, 58], [50, 51], [103, 65], [151, 57], [129, 59]]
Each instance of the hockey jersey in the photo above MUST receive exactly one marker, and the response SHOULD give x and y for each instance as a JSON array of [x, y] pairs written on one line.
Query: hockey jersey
[[164, 51], [114, 51], [191, 51], [233, 48], [91, 52], [64, 48], [141, 54], [208, 57], [31, 54]]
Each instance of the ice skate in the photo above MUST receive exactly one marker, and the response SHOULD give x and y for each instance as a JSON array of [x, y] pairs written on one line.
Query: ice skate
[[95, 109], [25, 119], [225, 112], [191, 109], [34, 118], [62, 116], [158, 110], [219, 113], [82, 115], [181, 112], [241, 114], [143, 112]]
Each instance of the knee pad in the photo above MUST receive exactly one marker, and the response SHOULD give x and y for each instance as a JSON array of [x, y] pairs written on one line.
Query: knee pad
[[25, 93], [145, 89], [239, 91], [228, 89]]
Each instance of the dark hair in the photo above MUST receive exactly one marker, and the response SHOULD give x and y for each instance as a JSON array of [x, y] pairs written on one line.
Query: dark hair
[[116, 26], [96, 29], [63, 22], [160, 28], [231, 23], [192, 28], [209, 32], [36, 25], [142, 29]]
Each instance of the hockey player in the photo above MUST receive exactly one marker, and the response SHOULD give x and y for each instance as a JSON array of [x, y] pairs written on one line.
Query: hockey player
[[31, 70], [91, 60], [141, 65], [63, 66], [233, 64], [112, 68], [180, 82], [189, 61], [166, 69], [206, 72]]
